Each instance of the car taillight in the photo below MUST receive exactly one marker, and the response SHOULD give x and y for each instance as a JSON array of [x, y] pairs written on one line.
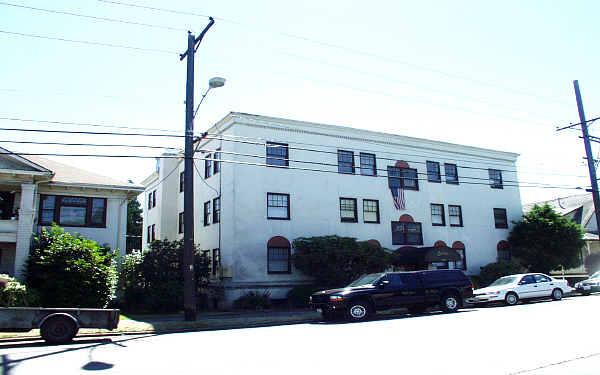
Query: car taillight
[[472, 286]]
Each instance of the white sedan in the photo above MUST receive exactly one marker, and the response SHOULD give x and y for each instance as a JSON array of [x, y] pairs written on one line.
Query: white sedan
[[513, 288]]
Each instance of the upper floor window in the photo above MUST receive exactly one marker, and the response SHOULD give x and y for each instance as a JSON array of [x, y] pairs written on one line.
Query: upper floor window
[[348, 210], [368, 165], [277, 154], [455, 215], [500, 220], [370, 211], [181, 181], [278, 206], [217, 210], [495, 178], [152, 199], [217, 162], [151, 233], [433, 171], [345, 161], [406, 233], [208, 166], [405, 178], [207, 213], [438, 218], [72, 211], [181, 222], [451, 173]]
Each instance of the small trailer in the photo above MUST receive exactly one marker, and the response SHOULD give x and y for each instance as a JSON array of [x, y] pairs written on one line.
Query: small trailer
[[57, 325]]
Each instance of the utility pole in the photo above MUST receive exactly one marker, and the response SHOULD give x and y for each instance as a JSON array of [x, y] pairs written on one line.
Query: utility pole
[[189, 292], [588, 153]]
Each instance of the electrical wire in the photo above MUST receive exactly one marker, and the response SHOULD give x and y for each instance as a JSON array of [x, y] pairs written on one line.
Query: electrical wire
[[87, 124], [164, 178], [94, 133], [164, 10], [88, 144]]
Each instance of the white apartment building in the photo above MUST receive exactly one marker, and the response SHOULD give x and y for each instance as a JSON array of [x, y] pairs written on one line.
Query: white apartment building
[[261, 182]]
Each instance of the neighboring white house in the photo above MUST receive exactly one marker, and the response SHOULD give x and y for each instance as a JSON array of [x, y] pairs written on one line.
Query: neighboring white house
[[282, 179], [35, 192]]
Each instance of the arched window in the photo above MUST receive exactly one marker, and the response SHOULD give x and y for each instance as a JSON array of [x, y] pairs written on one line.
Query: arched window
[[503, 251], [460, 249], [374, 242], [440, 243], [278, 255]]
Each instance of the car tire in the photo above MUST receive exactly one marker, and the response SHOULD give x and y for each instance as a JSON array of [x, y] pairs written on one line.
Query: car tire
[[450, 302], [358, 310], [511, 298], [557, 294], [58, 330]]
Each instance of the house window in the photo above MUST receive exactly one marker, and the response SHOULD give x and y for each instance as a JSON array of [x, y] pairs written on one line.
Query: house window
[[433, 171], [406, 233], [216, 163], [370, 211], [462, 263], [405, 178], [455, 215], [345, 161], [348, 210], [181, 222], [500, 220], [437, 215], [278, 260], [495, 178], [206, 255], [72, 211], [451, 173], [217, 210], [216, 261], [149, 234], [278, 206], [208, 166], [154, 198], [277, 154], [181, 181], [368, 165], [207, 213], [504, 253], [153, 232]]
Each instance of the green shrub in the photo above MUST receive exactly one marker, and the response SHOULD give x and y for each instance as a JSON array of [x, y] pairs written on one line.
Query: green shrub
[[253, 301], [69, 270], [494, 271], [298, 295], [15, 294]]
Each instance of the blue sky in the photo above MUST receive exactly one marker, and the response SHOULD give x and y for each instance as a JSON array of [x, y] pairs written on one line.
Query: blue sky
[[489, 74]]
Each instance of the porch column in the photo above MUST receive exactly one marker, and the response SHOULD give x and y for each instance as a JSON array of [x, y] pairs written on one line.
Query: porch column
[[24, 228]]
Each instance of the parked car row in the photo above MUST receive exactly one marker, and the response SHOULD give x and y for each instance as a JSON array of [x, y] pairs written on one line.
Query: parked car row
[[448, 289]]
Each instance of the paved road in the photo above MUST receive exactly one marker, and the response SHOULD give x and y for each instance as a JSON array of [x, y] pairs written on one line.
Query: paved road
[[534, 339]]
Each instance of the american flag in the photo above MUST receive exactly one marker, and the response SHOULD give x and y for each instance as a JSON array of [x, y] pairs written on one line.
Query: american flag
[[398, 196]]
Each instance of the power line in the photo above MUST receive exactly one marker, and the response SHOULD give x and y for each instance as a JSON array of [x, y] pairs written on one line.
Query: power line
[[94, 133], [86, 124], [88, 144], [87, 42], [164, 178], [164, 10], [93, 17]]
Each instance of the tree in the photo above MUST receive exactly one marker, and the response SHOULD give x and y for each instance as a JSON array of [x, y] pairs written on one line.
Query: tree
[[544, 240], [69, 270], [134, 226], [335, 261]]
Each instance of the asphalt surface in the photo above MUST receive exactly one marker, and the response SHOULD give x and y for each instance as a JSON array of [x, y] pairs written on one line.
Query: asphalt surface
[[534, 339]]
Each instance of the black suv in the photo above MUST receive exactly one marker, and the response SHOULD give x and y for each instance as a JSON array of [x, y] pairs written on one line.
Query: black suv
[[380, 291]]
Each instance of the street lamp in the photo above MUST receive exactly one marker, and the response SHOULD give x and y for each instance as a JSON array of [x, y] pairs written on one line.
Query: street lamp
[[213, 83]]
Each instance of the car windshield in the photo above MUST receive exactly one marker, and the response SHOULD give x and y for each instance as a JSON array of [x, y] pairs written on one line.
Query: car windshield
[[596, 275], [366, 279], [504, 280]]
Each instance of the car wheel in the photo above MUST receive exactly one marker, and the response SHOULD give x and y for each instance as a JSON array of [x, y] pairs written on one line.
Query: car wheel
[[511, 299], [450, 303], [358, 310], [58, 330], [557, 294]]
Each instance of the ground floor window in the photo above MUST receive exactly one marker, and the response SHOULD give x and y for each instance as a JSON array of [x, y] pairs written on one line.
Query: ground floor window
[[406, 233], [72, 211], [279, 256]]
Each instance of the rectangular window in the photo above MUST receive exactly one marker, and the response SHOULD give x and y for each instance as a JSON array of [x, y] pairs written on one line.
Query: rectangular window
[[277, 154], [207, 213], [181, 222], [348, 210], [368, 164], [500, 220], [154, 198], [278, 260], [433, 171], [455, 214], [149, 200], [153, 237], [181, 181], [149, 234], [495, 178], [216, 163], [370, 211], [217, 210], [438, 218], [405, 178], [208, 166], [345, 162], [278, 206], [216, 261], [462, 263], [206, 254], [451, 173], [406, 233], [73, 211]]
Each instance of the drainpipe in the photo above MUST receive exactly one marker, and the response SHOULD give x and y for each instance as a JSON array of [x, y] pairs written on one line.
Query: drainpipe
[[123, 201]]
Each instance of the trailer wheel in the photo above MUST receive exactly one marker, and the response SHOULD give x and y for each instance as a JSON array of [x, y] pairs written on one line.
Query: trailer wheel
[[58, 330]]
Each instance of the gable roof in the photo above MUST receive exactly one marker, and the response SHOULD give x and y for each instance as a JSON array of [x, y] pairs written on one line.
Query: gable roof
[[580, 208]]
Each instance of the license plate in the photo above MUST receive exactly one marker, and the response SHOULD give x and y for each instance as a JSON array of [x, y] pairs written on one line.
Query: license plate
[[319, 311]]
